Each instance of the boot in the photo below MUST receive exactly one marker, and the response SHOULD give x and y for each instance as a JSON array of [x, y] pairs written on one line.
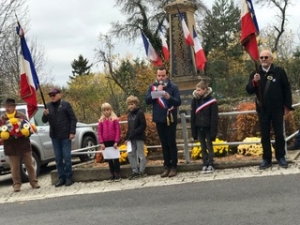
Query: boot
[[165, 173], [173, 172], [17, 187]]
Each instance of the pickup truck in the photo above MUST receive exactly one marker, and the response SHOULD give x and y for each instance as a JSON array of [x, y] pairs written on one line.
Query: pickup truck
[[42, 150]]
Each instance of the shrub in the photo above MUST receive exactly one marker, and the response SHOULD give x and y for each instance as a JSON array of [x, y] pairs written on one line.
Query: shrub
[[247, 125], [124, 155], [219, 150], [251, 149], [150, 133]]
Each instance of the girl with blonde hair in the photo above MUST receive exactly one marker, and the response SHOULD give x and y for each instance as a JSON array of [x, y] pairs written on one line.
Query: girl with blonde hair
[[109, 136]]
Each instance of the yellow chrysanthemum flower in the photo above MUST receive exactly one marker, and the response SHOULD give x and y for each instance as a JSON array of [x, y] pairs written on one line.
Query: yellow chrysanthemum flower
[[4, 135], [25, 132], [13, 120]]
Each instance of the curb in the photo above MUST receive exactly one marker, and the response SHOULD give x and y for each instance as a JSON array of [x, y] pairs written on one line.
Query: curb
[[100, 174]]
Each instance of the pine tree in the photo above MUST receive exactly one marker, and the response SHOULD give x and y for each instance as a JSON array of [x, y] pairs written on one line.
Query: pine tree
[[80, 67]]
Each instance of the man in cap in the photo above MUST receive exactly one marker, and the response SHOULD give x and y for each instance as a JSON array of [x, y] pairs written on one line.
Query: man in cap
[[62, 121], [18, 149]]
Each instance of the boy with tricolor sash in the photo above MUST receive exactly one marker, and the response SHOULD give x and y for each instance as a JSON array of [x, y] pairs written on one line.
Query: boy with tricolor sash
[[204, 123]]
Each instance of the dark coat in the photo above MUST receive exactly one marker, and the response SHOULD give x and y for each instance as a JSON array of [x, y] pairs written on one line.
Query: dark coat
[[205, 118], [136, 125], [159, 114], [16, 146], [278, 94], [61, 118]]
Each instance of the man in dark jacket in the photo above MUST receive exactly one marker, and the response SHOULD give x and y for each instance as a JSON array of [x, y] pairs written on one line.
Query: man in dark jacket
[[62, 121], [164, 114], [18, 148], [273, 100]]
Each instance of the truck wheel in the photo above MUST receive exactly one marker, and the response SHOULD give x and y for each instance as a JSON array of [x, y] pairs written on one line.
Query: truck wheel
[[36, 164], [87, 142]]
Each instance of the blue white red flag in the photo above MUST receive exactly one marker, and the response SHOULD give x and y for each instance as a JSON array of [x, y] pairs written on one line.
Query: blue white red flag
[[199, 52], [29, 82], [150, 52], [165, 48], [249, 29], [187, 36]]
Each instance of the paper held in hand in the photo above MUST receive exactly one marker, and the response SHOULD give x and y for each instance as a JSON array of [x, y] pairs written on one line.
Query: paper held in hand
[[111, 153], [157, 94], [129, 147]]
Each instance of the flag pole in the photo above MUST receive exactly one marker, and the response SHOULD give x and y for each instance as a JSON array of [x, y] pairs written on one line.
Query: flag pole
[[42, 95], [38, 85]]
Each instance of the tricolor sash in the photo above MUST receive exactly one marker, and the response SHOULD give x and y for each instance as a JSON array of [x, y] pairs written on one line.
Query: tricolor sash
[[205, 105], [163, 104]]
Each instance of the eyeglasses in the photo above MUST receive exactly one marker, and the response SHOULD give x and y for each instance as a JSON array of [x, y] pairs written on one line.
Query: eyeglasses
[[264, 57], [52, 95]]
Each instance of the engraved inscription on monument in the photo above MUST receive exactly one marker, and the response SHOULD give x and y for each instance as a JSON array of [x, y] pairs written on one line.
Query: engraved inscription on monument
[[181, 56]]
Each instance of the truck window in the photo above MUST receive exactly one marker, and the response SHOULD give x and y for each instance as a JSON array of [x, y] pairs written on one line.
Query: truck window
[[38, 117]]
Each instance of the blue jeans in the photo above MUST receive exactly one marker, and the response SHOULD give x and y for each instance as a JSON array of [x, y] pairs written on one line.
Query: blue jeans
[[63, 159]]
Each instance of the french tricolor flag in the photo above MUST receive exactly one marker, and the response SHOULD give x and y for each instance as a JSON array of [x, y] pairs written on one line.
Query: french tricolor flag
[[199, 52], [249, 29], [165, 48], [29, 82], [187, 36], [150, 52]]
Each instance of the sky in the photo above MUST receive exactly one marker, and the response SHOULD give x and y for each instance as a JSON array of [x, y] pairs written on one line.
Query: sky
[[69, 28]]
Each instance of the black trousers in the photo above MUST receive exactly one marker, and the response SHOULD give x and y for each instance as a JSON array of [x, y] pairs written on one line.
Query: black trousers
[[266, 119], [114, 164], [206, 146], [167, 136]]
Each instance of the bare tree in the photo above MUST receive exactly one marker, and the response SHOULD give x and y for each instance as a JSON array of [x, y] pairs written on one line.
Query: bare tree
[[282, 6], [145, 16], [10, 47]]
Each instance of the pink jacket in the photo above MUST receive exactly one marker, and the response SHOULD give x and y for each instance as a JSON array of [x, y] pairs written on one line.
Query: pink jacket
[[109, 130]]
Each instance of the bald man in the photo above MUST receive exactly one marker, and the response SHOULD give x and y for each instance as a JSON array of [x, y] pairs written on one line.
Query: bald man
[[273, 100]]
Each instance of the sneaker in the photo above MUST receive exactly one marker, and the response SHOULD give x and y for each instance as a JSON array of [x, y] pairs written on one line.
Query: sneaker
[[111, 179], [142, 175], [117, 179], [283, 163], [133, 176], [60, 182], [210, 169], [69, 182], [264, 165], [204, 169]]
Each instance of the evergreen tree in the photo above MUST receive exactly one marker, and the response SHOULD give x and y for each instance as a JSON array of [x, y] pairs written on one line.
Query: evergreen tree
[[80, 67]]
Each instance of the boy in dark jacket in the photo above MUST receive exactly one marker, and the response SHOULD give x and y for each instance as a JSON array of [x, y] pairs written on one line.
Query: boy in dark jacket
[[136, 135], [204, 123]]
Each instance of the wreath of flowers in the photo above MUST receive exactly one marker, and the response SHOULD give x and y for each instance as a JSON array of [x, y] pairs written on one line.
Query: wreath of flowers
[[15, 128]]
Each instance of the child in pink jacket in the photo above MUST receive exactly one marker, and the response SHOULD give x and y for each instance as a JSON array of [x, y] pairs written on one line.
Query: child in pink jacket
[[109, 136]]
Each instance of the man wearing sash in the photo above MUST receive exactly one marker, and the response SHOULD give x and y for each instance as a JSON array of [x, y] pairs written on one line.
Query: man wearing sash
[[273, 100], [164, 114]]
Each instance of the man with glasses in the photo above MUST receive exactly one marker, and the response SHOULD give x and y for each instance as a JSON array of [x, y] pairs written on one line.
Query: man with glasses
[[62, 121], [273, 100]]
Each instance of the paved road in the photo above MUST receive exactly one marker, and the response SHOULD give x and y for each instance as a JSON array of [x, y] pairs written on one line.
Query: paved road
[[259, 199], [80, 188]]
